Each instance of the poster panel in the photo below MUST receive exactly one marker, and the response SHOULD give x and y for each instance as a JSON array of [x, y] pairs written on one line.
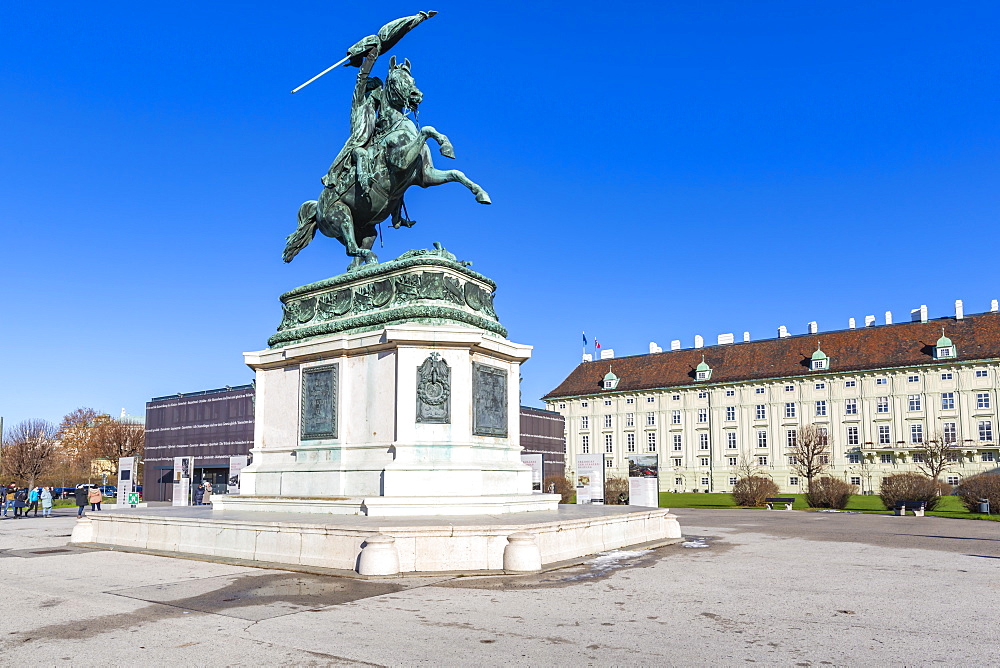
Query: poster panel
[[236, 464], [590, 478], [643, 481], [182, 481], [535, 462], [126, 479]]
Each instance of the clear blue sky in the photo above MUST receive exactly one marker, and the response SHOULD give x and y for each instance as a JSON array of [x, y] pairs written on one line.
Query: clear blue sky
[[658, 170]]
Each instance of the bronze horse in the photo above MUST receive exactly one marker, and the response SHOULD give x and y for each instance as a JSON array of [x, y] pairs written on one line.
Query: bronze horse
[[394, 157]]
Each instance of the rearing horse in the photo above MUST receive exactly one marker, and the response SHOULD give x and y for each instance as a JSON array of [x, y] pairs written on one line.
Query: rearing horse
[[398, 157]]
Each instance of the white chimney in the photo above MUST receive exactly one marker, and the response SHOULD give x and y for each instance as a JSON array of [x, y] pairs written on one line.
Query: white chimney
[[699, 341], [746, 336], [675, 344], [959, 310], [851, 324], [813, 327], [919, 314], [653, 348], [869, 320], [782, 332], [994, 306], [587, 357], [726, 338], [608, 354], [888, 317]]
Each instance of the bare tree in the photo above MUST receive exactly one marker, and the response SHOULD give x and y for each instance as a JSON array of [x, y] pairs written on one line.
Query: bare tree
[[810, 454], [936, 455], [75, 445], [747, 465], [27, 450], [117, 438]]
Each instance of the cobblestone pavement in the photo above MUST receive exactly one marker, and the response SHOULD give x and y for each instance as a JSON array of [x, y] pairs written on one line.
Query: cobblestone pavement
[[747, 586]]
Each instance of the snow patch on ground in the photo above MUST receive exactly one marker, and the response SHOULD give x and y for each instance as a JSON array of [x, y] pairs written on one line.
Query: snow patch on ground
[[606, 562], [695, 543]]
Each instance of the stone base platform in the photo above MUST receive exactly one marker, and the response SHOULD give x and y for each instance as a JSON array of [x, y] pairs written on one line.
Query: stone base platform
[[379, 545], [391, 506]]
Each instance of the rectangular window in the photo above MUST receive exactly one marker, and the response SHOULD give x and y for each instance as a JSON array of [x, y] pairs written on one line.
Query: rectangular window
[[916, 433], [851, 407], [677, 462], [731, 440], [609, 463], [609, 443], [585, 444], [730, 413], [730, 393], [789, 388], [651, 441], [987, 457], [854, 458], [822, 435], [820, 386], [947, 376], [824, 459], [884, 436], [981, 373], [952, 479], [732, 461], [583, 404], [607, 422], [630, 419], [704, 462], [986, 431], [793, 460], [791, 438], [702, 415], [947, 401], [607, 402], [882, 405], [761, 439], [881, 381], [704, 482], [917, 458], [675, 417], [913, 402], [679, 481], [703, 395], [885, 458], [676, 397], [585, 422], [677, 442], [761, 413], [732, 480], [949, 432], [703, 441], [820, 408], [952, 458], [630, 442], [630, 400], [789, 410], [912, 379], [650, 400], [852, 436], [850, 383], [758, 390], [650, 419], [982, 399], [561, 406], [762, 460], [856, 480], [793, 481]]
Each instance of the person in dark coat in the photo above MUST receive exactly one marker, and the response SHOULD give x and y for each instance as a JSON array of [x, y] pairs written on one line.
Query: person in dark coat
[[80, 494], [20, 502], [199, 495]]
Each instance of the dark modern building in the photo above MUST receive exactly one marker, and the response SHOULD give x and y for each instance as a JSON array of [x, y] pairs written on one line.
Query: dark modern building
[[211, 426], [544, 433]]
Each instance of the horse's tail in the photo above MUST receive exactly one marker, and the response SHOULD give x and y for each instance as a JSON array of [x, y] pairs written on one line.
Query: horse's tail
[[304, 233]]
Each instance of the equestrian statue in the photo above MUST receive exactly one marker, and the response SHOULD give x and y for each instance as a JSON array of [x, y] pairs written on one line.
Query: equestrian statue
[[386, 153]]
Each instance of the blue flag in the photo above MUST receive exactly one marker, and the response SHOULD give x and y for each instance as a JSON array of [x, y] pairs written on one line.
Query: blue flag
[[584, 338]]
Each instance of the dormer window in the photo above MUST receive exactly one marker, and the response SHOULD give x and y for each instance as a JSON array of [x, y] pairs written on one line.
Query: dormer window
[[819, 361], [610, 381], [703, 371], [944, 349]]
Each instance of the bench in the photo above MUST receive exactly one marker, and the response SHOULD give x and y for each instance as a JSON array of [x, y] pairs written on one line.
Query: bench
[[769, 503], [917, 507]]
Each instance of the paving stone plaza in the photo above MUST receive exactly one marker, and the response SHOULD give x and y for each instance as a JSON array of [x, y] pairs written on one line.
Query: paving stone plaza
[[776, 588]]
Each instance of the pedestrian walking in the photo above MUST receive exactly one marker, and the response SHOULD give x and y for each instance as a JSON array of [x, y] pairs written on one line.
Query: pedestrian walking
[[199, 495], [46, 497], [20, 502], [33, 497], [208, 494], [95, 497], [6, 499], [81, 500]]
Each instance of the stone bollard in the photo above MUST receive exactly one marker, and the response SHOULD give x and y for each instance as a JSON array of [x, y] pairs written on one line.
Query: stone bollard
[[522, 553], [379, 556], [83, 531]]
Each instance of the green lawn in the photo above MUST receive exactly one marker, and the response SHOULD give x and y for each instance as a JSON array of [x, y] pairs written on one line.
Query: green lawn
[[950, 506]]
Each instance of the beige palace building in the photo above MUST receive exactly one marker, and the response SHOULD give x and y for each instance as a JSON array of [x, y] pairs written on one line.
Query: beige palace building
[[878, 391]]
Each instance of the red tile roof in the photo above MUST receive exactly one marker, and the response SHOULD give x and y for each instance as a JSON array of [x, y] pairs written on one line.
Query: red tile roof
[[977, 337]]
